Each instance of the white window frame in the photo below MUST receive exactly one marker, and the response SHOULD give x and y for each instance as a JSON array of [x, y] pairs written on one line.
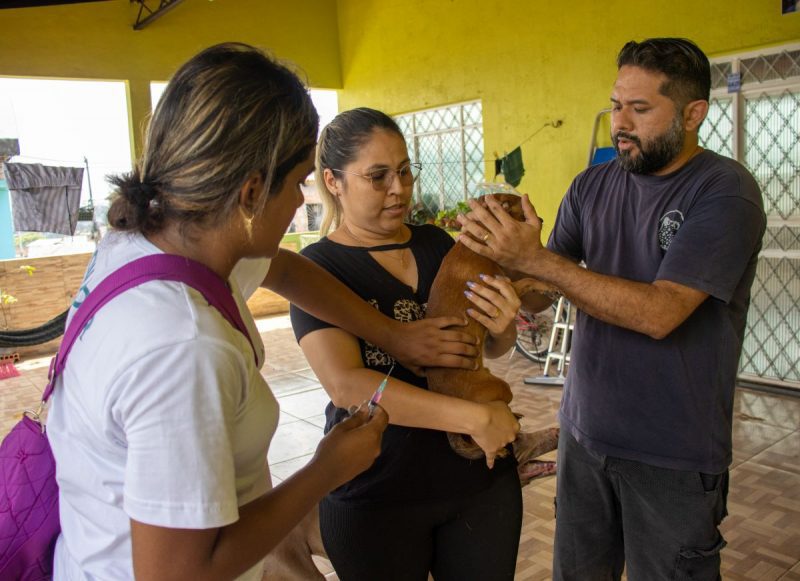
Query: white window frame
[[775, 221], [411, 140], [750, 89]]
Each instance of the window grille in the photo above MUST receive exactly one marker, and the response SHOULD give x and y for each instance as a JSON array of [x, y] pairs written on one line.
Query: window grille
[[314, 214], [759, 125], [716, 132], [783, 65], [448, 142]]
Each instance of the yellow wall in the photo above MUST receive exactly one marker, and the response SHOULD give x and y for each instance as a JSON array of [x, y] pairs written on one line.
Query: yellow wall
[[529, 61], [96, 40]]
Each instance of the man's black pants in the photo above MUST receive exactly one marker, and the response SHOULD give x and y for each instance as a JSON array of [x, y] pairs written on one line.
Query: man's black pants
[[612, 513]]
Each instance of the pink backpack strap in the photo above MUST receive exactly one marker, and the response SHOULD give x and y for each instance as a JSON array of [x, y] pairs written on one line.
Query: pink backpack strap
[[153, 267]]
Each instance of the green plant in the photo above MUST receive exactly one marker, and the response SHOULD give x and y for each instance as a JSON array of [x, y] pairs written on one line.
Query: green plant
[[7, 299], [447, 218], [421, 214], [24, 239]]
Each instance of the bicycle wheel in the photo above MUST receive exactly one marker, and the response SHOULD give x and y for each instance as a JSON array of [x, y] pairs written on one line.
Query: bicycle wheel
[[533, 334]]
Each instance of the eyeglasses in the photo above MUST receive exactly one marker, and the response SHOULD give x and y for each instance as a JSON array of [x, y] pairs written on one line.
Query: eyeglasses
[[381, 179]]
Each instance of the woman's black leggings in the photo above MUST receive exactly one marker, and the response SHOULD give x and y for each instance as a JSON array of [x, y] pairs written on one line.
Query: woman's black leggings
[[460, 539]]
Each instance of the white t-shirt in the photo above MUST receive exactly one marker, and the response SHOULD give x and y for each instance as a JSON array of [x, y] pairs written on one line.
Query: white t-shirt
[[161, 415]]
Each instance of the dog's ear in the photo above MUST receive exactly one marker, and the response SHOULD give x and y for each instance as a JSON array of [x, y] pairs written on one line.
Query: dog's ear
[[511, 203], [516, 212], [524, 286]]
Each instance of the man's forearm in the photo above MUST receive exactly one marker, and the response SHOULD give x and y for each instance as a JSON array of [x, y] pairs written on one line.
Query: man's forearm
[[650, 308]]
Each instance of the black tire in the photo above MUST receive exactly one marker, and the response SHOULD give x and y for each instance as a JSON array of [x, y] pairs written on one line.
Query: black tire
[[52, 329], [533, 333]]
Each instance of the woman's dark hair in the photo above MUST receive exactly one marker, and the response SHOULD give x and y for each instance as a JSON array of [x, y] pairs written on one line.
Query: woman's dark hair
[[686, 67], [338, 146], [229, 111]]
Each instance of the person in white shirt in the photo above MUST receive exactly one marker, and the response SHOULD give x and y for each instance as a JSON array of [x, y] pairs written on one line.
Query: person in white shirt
[[161, 421]]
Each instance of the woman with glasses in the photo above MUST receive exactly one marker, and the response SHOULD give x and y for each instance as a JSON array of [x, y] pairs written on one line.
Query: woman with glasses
[[420, 508]]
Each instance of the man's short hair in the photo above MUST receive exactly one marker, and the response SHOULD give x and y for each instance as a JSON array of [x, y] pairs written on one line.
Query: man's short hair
[[686, 67]]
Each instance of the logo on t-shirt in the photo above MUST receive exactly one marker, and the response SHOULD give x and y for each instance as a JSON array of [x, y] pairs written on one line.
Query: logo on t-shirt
[[405, 310], [668, 226]]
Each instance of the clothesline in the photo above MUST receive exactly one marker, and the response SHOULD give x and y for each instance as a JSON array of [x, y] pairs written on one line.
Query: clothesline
[[555, 124], [59, 161], [76, 163]]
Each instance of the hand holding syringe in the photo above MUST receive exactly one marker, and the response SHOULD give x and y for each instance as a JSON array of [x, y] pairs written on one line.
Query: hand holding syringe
[[376, 397]]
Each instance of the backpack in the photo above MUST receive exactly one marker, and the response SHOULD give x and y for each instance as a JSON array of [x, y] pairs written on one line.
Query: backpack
[[29, 522]]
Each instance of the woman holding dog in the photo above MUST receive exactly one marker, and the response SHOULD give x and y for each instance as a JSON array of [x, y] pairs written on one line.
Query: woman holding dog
[[420, 508]]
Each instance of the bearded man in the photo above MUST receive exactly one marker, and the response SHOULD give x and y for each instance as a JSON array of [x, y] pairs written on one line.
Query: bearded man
[[670, 234]]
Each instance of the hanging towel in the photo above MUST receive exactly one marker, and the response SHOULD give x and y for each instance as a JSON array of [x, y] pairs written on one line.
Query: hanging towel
[[513, 170], [44, 198]]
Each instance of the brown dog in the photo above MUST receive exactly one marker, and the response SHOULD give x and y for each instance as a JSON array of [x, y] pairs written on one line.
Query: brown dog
[[447, 298]]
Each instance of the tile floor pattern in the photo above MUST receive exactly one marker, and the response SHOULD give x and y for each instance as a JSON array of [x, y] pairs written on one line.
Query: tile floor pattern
[[762, 530]]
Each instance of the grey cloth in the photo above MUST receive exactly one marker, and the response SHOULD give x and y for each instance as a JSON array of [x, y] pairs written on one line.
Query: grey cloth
[[44, 198]]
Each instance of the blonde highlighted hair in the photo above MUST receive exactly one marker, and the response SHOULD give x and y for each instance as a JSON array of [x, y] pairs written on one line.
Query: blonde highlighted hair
[[228, 112]]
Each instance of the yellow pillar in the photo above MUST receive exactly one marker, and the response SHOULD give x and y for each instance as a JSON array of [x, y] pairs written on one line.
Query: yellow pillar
[[139, 109]]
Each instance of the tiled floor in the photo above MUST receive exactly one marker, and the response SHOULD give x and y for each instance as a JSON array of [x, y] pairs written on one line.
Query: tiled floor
[[762, 530]]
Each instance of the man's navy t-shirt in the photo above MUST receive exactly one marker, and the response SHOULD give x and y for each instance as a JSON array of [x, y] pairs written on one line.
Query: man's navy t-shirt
[[664, 402]]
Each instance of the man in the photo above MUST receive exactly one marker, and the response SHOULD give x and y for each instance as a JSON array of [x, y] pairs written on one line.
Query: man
[[670, 234]]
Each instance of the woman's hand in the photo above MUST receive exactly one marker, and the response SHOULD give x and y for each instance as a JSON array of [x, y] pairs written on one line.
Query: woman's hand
[[352, 445], [499, 429], [497, 303], [432, 343]]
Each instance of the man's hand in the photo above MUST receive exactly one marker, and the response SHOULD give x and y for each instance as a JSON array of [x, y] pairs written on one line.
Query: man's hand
[[510, 243], [433, 343]]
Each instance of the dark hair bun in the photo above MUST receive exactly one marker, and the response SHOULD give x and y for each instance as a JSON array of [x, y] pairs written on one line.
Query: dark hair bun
[[135, 206]]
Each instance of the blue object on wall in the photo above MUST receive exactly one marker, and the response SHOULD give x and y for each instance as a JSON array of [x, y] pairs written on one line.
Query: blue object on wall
[[6, 224], [603, 154]]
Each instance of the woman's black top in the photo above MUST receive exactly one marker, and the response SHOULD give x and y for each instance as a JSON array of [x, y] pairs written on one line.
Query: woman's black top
[[415, 464]]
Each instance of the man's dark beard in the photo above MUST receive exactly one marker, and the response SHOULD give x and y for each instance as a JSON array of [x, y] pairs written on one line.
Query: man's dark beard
[[656, 154]]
